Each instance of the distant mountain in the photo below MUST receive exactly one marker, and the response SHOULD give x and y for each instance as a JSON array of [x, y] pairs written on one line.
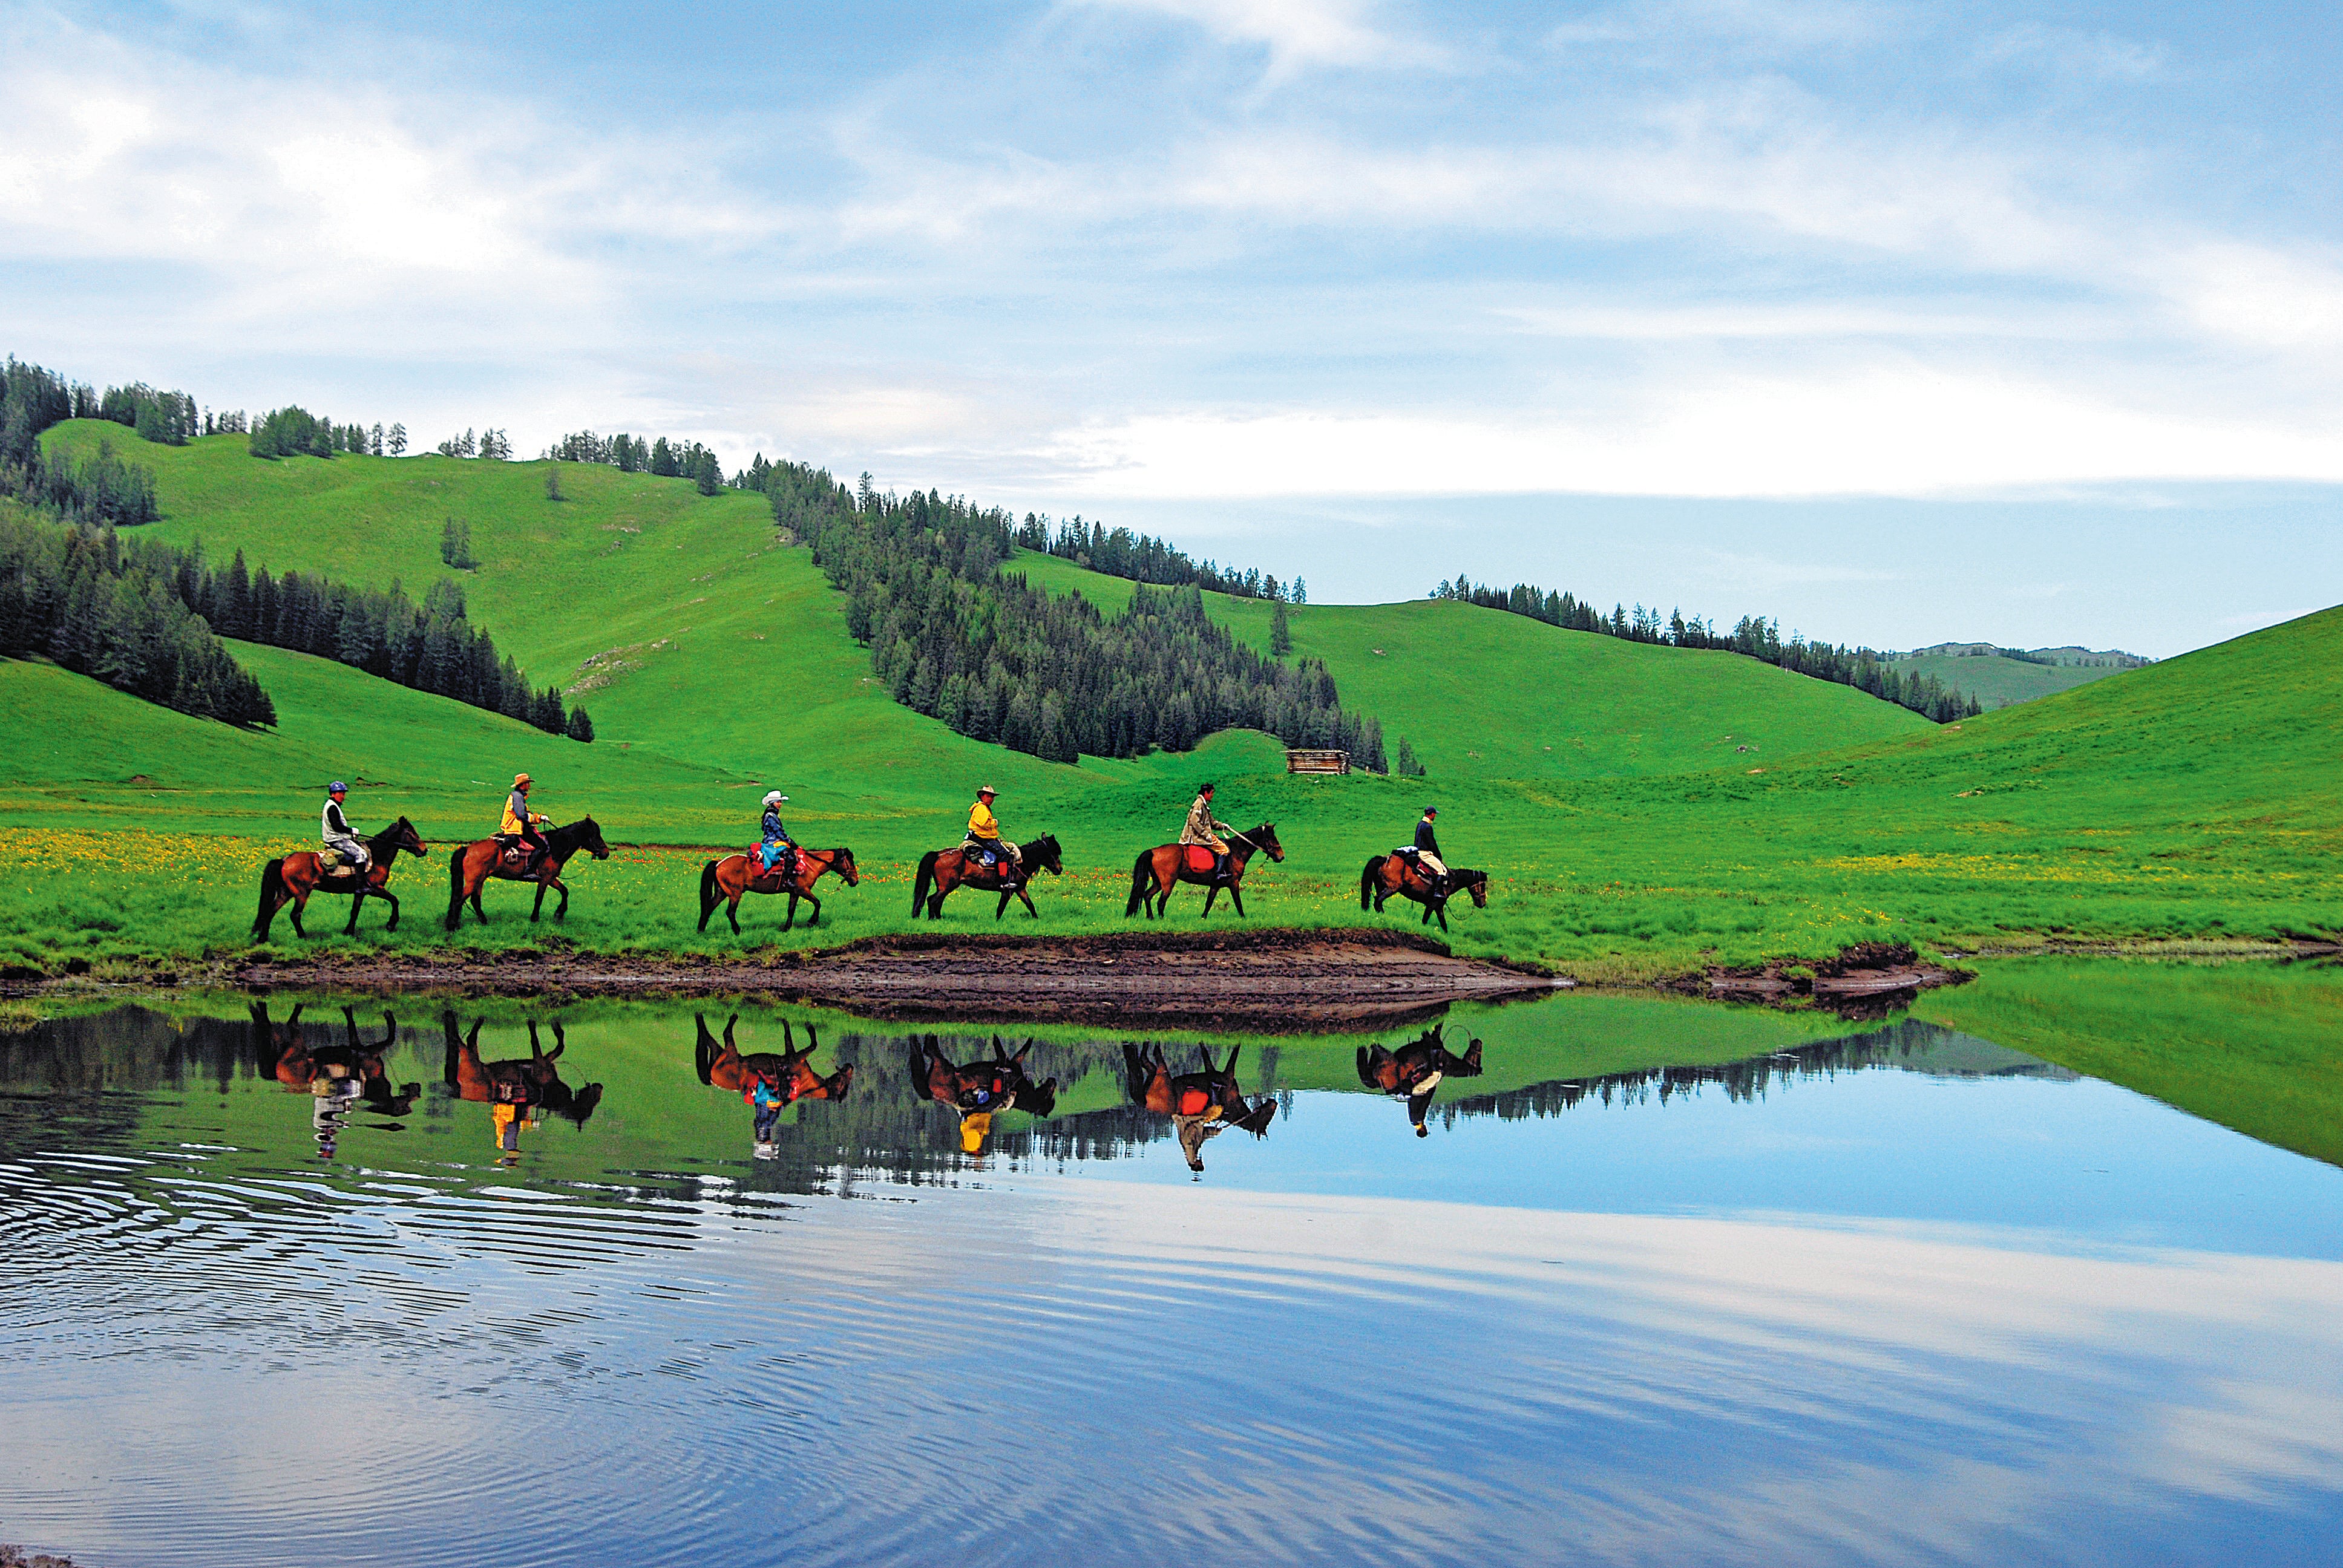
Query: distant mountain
[[1999, 677]]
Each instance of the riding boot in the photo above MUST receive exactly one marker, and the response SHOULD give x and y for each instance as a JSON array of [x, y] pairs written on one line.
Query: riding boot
[[1220, 867]]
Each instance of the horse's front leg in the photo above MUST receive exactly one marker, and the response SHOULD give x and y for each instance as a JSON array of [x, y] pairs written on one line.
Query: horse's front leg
[[357, 902], [1236, 896], [562, 912], [300, 902], [814, 918], [789, 918], [1211, 892], [386, 893], [539, 907], [1003, 907], [1026, 899]]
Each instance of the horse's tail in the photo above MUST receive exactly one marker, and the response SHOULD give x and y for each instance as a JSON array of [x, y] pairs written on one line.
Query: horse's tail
[[708, 894], [1367, 879], [925, 879], [271, 878], [1142, 878]]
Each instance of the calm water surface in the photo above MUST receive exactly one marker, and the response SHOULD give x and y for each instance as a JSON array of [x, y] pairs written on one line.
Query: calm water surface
[[1891, 1297]]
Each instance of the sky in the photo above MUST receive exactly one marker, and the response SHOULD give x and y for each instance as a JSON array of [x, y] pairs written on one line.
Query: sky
[[1897, 323]]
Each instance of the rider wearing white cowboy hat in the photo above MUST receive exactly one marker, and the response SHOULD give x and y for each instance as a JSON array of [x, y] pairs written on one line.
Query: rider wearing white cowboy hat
[[777, 841]]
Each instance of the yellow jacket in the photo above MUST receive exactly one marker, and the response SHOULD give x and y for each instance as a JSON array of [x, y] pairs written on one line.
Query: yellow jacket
[[981, 822], [518, 815]]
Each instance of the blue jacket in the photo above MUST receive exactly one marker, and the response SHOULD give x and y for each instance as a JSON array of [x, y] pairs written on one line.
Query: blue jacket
[[774, 832], [1428, 841]]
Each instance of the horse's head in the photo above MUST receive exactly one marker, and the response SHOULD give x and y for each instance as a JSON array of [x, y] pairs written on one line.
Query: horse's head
[[1477, 884], [402, 835], [1045, 855], [841, 861], [575, 1104], [590, 837], [1266, 837]]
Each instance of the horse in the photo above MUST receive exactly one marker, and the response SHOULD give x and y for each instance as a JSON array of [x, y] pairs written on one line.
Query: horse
[[1201, 1104], [976, 1091], [942, 871], [1413, 1071], [1158, 871], [292, 878], [723, 1066], [1398, 876], [470, 869], [533, 1082], [735, 875], [286, 1056]]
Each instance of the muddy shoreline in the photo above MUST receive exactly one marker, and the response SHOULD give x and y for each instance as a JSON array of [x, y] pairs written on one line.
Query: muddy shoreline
[[1268, 980]]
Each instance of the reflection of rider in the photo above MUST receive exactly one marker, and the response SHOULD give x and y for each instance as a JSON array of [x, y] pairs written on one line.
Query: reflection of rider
[[778, 842], [766, 1101], [520, 822], [1427, 849], [336, 828], [1203, 827], [984, 836]]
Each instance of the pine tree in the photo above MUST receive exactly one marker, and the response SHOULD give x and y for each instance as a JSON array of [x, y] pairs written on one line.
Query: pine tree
[[581, 728], [1281, 639]]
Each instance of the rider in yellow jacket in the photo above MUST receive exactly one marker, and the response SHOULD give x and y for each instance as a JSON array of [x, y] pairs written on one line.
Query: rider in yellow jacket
[[984, 833], [519, 822]]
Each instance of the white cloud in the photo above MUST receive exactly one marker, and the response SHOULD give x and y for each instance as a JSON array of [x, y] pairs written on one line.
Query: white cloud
[[2070, 50], [1296, 32]]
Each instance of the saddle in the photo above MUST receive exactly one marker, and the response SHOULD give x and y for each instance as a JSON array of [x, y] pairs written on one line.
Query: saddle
[[515, 855], [338, 865], [785, 866]]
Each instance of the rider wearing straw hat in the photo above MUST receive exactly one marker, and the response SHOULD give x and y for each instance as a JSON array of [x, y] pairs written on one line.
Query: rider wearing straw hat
[[984, 836]]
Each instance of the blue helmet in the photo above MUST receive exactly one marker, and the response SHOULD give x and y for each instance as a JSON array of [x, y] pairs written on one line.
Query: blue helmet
[[337, 788]]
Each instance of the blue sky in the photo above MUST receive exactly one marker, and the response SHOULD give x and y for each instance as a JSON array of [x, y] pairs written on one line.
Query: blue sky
[[1902, 323]]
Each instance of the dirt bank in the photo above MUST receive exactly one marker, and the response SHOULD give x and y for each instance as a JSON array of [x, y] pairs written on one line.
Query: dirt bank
[[1277, 980], [1868, 981]]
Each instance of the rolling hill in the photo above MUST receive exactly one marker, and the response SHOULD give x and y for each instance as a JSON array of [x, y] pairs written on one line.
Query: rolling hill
[[1982, 671]]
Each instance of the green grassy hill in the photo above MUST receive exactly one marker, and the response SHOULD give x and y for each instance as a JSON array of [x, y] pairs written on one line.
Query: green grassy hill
[[1602, 783], [1996, 682]]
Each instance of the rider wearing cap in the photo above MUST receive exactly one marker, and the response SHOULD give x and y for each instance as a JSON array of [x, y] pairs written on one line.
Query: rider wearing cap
[[1427, 850], [984, 834], [520, 822], [1203, 827], [777, 842], [335, 829]]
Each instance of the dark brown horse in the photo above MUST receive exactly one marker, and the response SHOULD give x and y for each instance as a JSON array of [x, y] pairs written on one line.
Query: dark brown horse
[[470, 868], [1416, 1069], [979, 1089], [722, 1065], [1158, 871], [942, 871], [292, 880], [1399, 877], [726, 881], [1201, 1104]]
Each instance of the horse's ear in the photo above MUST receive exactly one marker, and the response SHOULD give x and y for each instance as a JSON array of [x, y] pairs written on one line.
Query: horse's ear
[[1230, 1068], [560, 1041]]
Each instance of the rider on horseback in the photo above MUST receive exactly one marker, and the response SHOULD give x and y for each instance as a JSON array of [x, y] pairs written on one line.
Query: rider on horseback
[[1205, 828], [777, 846], [337, 830], [984, 838], [520, 825], [1425, 851]]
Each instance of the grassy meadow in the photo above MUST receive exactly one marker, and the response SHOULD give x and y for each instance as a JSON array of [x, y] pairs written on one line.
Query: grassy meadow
[[1602, 784], [1997, 682]]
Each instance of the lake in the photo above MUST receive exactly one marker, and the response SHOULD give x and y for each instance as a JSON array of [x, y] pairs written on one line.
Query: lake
[[1665, 1283]]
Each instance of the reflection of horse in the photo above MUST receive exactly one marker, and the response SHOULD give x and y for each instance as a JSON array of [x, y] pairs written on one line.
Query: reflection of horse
[[534, 1082], [291, 880], [1398, 876], [791, 1072], [286, 1055], [1201, 1104], [735, 875], [975, 1092], [942, 871], [1413, 1071], [1158, 871], [471, 869]]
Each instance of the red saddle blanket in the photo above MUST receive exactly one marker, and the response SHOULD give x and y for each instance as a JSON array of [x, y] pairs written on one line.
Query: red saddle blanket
[[1194, 1103], [1199, 857]]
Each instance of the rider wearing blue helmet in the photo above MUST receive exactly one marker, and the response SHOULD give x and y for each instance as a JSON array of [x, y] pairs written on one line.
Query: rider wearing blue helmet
[[334, 827]]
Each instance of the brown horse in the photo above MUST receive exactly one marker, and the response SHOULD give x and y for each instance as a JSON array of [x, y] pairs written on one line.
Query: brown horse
[[292, 880], [1397, 876], [471, 869], [533, 1082], [723, 1066], [1201, 1104], [726, 881], [1416, 1069], [1158, 871], [942, 871]]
